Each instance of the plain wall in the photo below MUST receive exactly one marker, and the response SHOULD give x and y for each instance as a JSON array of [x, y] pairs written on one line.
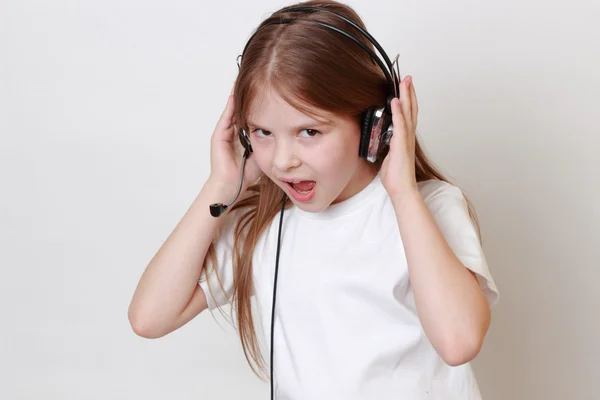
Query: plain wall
[[106, 112]]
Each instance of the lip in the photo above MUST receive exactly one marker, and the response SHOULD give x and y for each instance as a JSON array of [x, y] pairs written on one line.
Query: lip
[[293, 180], [299, 197]]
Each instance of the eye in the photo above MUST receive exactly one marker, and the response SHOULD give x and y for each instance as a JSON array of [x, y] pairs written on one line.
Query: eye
[[260, 133], [311, 132]]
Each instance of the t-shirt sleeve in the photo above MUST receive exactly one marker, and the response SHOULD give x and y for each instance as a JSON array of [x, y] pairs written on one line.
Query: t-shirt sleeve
[[448, 206], [217, 280]]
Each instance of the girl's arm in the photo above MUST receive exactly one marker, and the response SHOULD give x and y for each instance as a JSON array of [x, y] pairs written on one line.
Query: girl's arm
[[450, 303], [168, 294]]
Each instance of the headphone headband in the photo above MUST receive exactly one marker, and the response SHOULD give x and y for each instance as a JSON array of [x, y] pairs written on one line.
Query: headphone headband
[[393, 78], [376, 122]]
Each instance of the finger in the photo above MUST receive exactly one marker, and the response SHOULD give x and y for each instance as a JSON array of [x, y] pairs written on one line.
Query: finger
[[414, 104], [406, 101], [398, 121], [224, 123], [228, 112]]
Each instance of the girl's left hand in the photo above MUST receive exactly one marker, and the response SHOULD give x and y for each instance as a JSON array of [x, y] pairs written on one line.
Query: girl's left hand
[[398, 168]]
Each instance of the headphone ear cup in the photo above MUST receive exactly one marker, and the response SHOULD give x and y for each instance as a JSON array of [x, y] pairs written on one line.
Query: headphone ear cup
[[245, 140], [365, 132]]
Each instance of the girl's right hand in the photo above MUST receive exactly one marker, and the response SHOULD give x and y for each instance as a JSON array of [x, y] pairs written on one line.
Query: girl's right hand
[[226, 156]]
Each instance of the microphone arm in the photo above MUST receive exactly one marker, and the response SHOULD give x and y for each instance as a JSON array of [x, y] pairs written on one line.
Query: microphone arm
[[219, 208]]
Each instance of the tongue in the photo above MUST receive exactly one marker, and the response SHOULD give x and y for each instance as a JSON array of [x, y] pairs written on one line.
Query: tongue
[[304, 186]]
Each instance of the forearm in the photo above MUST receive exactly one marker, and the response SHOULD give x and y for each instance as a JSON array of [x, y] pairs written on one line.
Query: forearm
[[451, 306], [171, 277]]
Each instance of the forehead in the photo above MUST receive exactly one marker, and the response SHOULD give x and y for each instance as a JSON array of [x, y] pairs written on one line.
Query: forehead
[[269, 107]]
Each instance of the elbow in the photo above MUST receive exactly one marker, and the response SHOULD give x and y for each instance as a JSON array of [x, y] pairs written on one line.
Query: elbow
[[143, 326], [461, 351], [463, 345]]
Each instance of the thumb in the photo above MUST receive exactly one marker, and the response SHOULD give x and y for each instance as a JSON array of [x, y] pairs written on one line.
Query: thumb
[[224, 124]]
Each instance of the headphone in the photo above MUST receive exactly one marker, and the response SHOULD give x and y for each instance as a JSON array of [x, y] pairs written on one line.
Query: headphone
[[376, 122]]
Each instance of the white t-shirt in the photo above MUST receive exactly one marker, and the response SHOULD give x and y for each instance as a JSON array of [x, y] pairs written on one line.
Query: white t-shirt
[[346, 325]]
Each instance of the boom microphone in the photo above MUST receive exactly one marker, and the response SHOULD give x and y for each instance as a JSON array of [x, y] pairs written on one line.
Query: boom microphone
[[219, 208]]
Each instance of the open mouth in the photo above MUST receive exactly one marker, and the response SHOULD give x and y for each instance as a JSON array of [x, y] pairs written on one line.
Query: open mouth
[[302, 187], [301, 190]]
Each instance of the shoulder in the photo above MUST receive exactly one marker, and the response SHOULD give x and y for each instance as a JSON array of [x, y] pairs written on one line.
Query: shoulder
[[438, 193], [233, 215], [229, 226], [449, 207]]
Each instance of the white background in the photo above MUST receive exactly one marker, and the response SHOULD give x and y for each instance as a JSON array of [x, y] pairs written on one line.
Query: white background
[[106, 112]]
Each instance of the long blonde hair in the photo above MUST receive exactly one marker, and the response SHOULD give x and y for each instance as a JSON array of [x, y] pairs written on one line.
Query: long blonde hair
[[307, 66]]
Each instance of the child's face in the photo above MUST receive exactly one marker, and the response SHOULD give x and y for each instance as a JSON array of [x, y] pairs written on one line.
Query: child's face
[[289, 145]]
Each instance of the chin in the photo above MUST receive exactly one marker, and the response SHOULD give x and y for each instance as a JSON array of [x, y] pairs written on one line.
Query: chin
[[316, 205], [311, 207]]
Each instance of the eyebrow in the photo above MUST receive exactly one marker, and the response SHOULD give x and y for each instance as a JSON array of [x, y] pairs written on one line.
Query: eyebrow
[[301, 126]]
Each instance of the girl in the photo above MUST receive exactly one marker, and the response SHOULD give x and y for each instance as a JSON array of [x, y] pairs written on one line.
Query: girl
[[383, 291]]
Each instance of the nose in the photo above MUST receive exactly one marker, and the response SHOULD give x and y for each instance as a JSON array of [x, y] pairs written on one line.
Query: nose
[[285, 157]]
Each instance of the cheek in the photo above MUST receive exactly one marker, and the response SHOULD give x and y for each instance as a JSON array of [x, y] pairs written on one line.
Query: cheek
[[263, 161], [345, 148], [337, 161]]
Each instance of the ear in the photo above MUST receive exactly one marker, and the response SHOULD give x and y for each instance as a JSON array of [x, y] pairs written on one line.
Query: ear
[[245, 140]]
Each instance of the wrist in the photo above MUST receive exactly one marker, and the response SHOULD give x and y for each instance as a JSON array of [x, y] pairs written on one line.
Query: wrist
[[405, 198], [219, 191]]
